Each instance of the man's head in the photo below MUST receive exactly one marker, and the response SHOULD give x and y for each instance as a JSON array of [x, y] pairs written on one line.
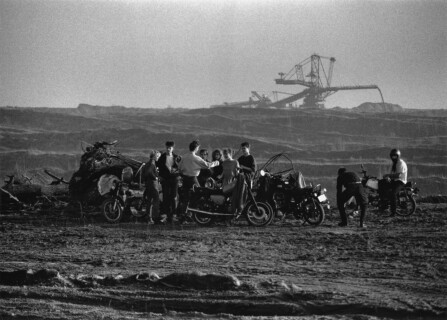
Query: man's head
[[227, 153], [203, 154], [395, 155], [216, 155], [154, 155], [194, 146], [169, 146], [341, 171], [245, 146]]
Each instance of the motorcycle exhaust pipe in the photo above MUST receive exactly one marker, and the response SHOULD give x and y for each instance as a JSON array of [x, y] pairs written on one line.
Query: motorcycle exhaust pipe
[[207, 212]]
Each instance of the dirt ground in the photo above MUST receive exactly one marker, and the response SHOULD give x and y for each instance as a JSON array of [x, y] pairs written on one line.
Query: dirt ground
[[394, 269]]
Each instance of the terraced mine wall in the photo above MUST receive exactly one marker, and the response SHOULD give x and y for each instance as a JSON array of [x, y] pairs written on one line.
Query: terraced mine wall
[[318, 141]]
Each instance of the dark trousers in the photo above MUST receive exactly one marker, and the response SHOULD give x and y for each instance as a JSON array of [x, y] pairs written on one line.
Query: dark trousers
[[152, 199], [169, 188], [395, 188], [358, 192], [390, 190], [188, 183]]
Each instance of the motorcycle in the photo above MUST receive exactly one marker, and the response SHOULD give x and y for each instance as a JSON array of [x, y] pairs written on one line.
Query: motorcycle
[[286, 197], [207, 205], [285, 190], [406, 204], [123, 200]]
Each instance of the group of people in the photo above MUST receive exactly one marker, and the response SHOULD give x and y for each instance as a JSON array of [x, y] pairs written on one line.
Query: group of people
[[194, 170], [389, 186]]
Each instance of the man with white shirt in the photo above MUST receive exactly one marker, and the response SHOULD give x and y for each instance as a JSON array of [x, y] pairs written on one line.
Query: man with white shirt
[[191, 164], [397, 177], [189, 167]]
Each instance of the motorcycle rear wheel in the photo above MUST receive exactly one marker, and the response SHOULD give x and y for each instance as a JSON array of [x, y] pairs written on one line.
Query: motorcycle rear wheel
[[140, 209], [313, 213], [405, 207], [259, 219], [112, 210]]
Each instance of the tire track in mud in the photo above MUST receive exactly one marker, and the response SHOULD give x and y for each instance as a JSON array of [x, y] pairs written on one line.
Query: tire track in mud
[[261, 305], [396, 268]]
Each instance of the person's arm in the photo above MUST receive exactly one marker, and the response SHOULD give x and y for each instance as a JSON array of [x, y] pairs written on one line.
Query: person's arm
[[206, 165], [152, 173], [388, 175]]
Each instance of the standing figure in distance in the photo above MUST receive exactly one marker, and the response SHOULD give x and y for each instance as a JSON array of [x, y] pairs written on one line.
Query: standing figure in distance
[[169, 175], [150, 178], [230, 167], [247, 163]]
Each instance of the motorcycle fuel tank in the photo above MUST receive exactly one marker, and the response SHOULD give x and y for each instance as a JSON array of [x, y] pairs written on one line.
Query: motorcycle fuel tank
[[220, 200], [372, 183]]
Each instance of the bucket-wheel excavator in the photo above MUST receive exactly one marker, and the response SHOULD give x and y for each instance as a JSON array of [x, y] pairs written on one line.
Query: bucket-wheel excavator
[[309, 73]]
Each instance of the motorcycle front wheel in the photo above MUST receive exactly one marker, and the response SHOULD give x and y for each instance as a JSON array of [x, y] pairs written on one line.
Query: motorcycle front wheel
[[406, 205], [313, 212], [112, 210], [259, 218], [202, 219]]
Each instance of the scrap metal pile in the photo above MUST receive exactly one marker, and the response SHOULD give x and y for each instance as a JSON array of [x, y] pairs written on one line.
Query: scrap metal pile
[[99, 166]]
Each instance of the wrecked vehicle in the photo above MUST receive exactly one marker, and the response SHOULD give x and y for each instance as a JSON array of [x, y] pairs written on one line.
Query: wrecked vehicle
[[100, 166], [21, 192]]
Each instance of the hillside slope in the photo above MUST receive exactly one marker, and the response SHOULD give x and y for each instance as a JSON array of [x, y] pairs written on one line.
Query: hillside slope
[[318, 141]]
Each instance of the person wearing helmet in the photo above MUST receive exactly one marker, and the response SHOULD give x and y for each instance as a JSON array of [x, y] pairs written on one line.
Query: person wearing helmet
[[397, 177]]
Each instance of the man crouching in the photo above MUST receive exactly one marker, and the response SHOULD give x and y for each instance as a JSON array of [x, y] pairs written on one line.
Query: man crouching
[[353, 188]]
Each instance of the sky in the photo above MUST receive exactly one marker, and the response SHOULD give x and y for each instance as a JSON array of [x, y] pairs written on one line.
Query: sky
[[193, 54]]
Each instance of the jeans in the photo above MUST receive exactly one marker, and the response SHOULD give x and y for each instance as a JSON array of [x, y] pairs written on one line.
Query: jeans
[[152, 198], [395, 188], [169, 188], [357, 190]]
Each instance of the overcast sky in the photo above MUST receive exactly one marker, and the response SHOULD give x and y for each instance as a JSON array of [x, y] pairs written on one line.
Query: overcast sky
[[199, 53]]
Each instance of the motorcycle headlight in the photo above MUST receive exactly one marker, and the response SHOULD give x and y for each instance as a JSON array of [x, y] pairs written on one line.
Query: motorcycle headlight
[[315, 194], [324, 191]]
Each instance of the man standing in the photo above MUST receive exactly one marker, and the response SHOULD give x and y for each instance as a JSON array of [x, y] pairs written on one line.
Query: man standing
[[190, 166], [150, 178], [397, 178], [169, 175], [247, 163], [353, 187]]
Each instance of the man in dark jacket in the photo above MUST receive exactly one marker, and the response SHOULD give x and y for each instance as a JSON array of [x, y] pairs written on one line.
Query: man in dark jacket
[[353, 188], [168, 171], [247, 163]]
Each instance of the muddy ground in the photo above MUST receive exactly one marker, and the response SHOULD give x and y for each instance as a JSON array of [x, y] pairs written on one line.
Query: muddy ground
[[88, 269]]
